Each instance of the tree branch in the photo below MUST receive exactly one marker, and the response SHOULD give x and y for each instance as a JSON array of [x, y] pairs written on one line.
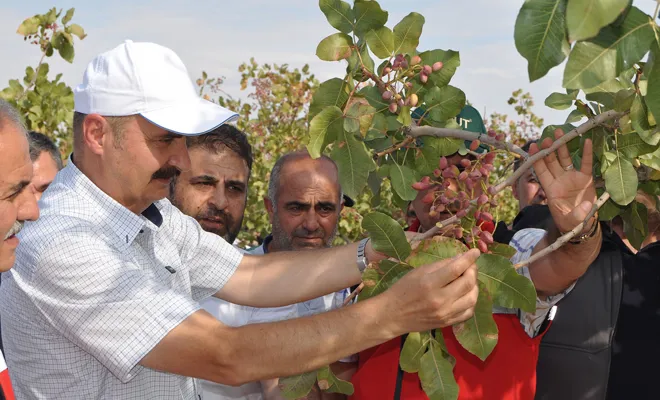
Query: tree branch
[[562, 240], [394, 148], [417, 131], [587, 126]]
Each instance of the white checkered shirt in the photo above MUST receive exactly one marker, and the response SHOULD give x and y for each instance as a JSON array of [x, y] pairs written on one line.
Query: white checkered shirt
[[95, 287]]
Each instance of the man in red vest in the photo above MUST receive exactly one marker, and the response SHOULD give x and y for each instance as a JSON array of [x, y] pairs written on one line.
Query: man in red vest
[[17, 201], [509, 371]]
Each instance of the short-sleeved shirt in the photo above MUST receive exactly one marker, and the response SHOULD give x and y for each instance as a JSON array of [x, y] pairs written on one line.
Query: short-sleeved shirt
[[96, 287]]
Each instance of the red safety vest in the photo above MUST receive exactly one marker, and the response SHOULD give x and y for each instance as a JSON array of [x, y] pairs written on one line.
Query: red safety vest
[[509, 373], [5, 383]]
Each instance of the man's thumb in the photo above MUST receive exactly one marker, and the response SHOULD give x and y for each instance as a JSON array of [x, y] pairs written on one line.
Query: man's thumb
[[581, 211]]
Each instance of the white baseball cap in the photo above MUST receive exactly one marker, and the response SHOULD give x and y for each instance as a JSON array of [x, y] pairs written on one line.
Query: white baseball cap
[[149, 80]]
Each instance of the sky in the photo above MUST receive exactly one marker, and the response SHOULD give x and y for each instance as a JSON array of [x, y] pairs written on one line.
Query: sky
[[217, 36]]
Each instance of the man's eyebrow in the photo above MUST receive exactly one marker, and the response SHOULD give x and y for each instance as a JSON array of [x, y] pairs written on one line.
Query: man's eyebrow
[[327, 204], [18, 188], [297, 203], [236, 183], [204, 178]]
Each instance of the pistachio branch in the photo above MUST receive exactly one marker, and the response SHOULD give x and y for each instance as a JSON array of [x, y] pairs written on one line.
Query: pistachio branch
[[405, 142], [417, 131], [580, 130], [562, 240], [587, 126]]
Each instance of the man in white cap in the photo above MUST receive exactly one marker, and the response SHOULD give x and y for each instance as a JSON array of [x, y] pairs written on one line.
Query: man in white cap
[[103, 300]]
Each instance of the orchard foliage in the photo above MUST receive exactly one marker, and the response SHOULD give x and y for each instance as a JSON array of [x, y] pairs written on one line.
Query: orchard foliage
[[47, 104], [364, 122], [611, 50], [275, 118]]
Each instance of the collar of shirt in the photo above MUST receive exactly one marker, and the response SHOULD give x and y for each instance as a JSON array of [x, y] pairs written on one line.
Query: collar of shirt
[[122, 222]]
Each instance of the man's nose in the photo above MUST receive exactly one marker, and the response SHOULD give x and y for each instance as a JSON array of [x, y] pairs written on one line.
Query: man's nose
[[311, 222], [27, 208], [180, 158], [219, 198]]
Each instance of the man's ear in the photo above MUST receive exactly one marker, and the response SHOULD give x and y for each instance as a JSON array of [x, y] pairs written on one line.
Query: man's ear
[[95, 131], [269, 208]]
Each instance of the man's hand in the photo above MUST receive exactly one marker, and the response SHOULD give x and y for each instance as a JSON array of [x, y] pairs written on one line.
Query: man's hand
[[434, 296], [570, 192]]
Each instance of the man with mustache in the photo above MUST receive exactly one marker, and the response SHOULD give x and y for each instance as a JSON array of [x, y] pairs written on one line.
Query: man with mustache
[[103, 301], [46, 161], [17, 201], [214, 189]]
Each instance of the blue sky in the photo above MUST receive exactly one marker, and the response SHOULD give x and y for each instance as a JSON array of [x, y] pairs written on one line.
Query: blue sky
[[217, 36]]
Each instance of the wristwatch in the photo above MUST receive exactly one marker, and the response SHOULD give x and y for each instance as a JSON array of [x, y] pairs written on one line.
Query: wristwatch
[[361, 256]]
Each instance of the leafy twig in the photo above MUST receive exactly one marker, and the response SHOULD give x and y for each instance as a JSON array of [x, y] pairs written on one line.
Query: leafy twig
[[405, 142], [34, 78], [562, 240], [587, 126], [417, 131]]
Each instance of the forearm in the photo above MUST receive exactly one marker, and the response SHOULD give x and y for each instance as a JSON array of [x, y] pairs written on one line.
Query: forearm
[[260, 351], [267, 281], [555, 272]]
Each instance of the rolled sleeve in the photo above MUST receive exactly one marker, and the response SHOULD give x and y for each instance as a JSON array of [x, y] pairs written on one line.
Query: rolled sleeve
[[106, 305], [524, 241], [210, 259]]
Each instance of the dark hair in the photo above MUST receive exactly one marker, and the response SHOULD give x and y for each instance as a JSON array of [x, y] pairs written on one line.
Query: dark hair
[[518, 162], [225, 135], [40, 143]]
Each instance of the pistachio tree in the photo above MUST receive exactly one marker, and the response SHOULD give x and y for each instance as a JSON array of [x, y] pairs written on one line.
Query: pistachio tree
[[364, 121], [47, 103]]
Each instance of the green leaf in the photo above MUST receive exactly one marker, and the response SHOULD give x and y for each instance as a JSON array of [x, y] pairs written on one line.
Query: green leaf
[[407, 33], [386, 235], [335, 47], [339, 14], [609, 210], [585, 18], [333, 92], [298, 386], [651, 160], [631, 145], [354, 163], [559, 101], [355, 62], [611, 52], [653, 90], [379, 278], [621, 181], [66, 51], [478, 335], [29, 27], [374, 97], [381, 41], [67, 17], [329, 383], [402, 179], [639, 118], [507, 288], [432, 149], [451, 60], [624, 99], [325, 128], [540, 35], [444, 103], [434, 249], [78, 31], [368, 16], [414, 347], [436, 374], [635, 224], [501, 249]]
